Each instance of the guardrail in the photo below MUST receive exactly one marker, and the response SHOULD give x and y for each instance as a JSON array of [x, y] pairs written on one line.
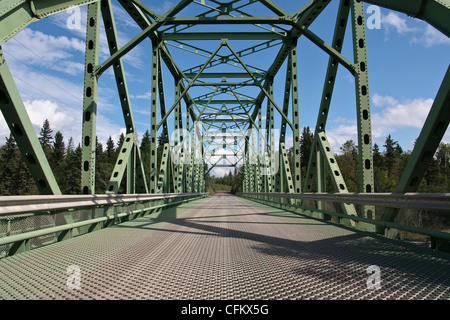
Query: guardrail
[[422, 201], [62, 217]]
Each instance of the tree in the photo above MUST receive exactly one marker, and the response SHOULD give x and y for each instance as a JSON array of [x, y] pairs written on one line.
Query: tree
[[46, 138], [70, 145], [58, 150], [103, 168], [7, 165], [348, 164], [110, 151], [145, 153], [162, 140], [71, 167], [120, 142], [349, 147], [57, 156], [443, 154], [15, 178], [392, 156], [381, 181], [306, 141]]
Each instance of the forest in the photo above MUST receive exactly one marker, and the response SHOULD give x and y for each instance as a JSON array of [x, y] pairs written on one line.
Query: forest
[[389, 161], [65, 160]]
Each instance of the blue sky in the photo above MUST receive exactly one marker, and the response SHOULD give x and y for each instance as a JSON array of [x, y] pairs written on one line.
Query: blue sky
[[407, 60]]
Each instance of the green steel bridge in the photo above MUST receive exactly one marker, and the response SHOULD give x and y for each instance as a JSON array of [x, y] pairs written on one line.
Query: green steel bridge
[[285, 236]]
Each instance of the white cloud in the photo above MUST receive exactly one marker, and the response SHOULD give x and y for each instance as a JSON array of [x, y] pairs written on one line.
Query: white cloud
[[394, 21], [428, 35], [39, 110], [431, 37], [380, 101], [391, 115], [59, 119], [162, 8], [46, 51], [342, 130], [396, 115], [147, 95]]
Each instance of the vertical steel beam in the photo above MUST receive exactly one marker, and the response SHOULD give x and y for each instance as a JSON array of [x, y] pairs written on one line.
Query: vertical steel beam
[[21, 128], [261, 177], [365, 158], [270, 127], [90, 100], [153, 116], [162, 101], [178, 125], [362, 97], [295, 116], [134, 166]]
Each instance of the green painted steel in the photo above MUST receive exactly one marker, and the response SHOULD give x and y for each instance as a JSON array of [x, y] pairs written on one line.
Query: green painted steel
[[19, 123], [426, 145], [89, 137], [115, 209], [365, 163], [222, 91], [18, 14], [435, 12]]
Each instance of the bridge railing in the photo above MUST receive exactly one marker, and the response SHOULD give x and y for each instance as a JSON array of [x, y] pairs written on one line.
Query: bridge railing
[[313, 204], [27, 222]]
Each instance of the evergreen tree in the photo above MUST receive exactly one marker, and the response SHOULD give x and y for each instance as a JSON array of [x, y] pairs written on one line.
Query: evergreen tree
[[392, 156], [8, 166], [443, 154], [145, 154], [380, 173], [120, 142], [58, 149], [71, 167], [103, 168], [70, 145], [348, 164], [306, 141], [162, 140], [146, 142], [46, 138], [110, 151], [57, 157], [15, 176]]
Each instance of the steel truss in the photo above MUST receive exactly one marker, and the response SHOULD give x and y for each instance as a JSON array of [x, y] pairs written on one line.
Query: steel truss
[[221, 99]]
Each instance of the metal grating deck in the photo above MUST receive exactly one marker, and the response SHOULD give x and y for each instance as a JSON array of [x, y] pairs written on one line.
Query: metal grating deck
[[226, 247]]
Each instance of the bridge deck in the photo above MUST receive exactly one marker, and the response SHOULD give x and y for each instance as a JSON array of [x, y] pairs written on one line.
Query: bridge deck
[[225, 247]]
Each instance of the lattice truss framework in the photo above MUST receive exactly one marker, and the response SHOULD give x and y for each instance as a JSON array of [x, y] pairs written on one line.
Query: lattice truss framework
[[224, 106]]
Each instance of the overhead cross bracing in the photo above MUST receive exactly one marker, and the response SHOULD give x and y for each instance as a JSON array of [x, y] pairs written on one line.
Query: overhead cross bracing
[[224, 60]]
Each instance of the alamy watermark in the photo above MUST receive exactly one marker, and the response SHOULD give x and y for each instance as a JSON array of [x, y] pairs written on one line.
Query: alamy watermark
[[374, 279], [263, 146], [73, 22], [373, 20], [74, 278]]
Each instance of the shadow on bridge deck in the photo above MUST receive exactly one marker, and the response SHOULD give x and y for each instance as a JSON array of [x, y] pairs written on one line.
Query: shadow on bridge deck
[[225, 247]]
